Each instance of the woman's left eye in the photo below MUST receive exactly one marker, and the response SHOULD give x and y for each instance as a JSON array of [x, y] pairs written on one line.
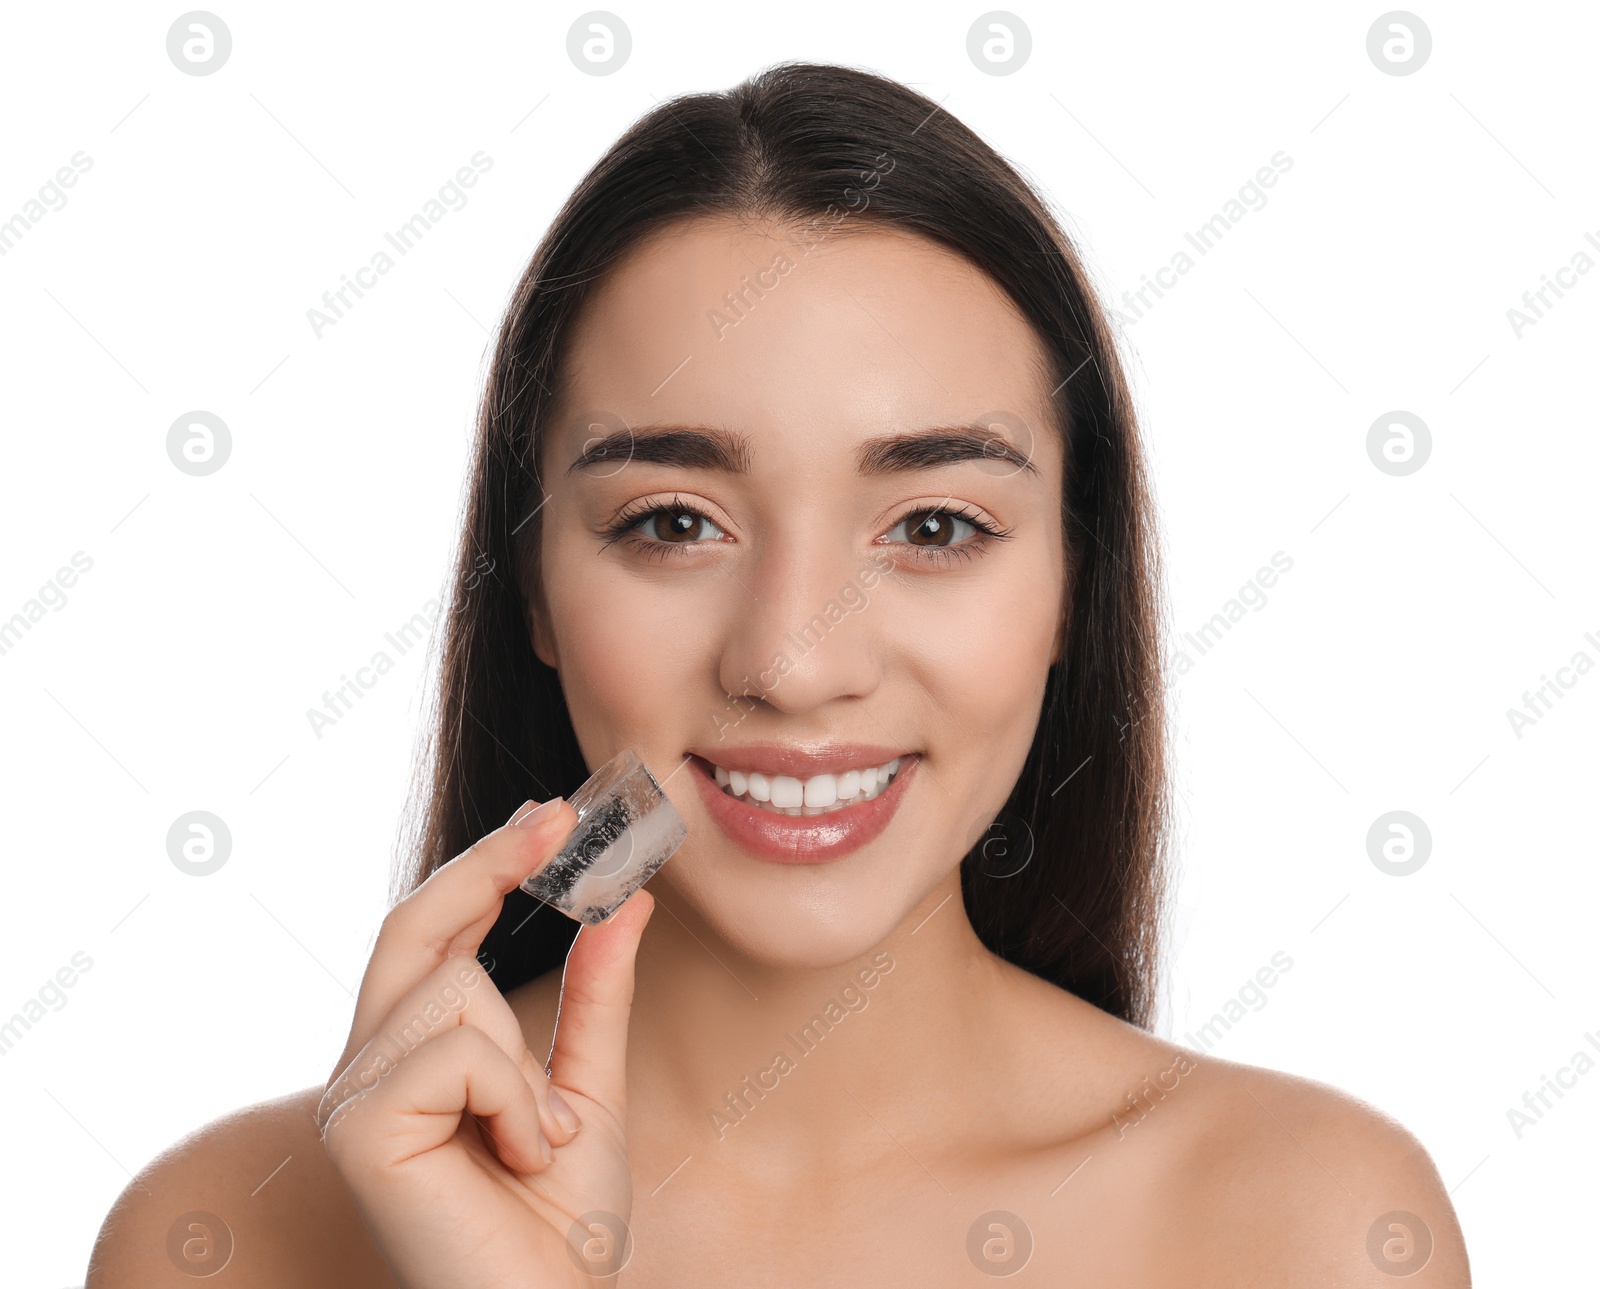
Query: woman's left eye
[[935, 528], [937, 535]]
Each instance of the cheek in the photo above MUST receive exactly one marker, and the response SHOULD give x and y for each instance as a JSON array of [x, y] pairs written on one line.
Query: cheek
[[988, 672], [628, 652], [982, 657], [988, 641]]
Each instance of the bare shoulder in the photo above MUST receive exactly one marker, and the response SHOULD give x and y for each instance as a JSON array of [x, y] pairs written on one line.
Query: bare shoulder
[[1291, 1181], [1257, 1177], [252, 1191]]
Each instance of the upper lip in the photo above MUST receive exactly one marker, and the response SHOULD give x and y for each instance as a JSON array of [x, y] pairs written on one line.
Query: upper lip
[[801, 761]]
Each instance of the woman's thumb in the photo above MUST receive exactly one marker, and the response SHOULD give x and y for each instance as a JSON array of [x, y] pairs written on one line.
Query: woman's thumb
[[591, 1040]]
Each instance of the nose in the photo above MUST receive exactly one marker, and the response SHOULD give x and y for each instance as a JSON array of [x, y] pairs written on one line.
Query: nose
[[808, 629]]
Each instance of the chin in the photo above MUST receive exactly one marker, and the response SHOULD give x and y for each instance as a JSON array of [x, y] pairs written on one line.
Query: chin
[[784, 918]]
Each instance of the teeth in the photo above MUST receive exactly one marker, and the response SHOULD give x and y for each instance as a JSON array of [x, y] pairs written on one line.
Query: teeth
[[821, 790], [821, 793]]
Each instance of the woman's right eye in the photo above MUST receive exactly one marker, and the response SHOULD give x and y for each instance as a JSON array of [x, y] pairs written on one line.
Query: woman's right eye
[[676, 526], [659, 526]]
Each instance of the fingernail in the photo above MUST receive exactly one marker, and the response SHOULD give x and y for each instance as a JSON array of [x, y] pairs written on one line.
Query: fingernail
[[565, 1115], [544, 1149], [530, 818]]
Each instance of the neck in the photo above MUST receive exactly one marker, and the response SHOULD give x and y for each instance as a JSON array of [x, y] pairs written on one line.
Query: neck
[[734, 1054]]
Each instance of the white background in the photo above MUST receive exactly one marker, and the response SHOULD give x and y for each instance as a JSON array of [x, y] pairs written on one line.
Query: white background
[[177, 676]]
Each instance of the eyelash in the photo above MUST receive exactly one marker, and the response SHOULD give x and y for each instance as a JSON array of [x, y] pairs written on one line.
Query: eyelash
[[625, 526]]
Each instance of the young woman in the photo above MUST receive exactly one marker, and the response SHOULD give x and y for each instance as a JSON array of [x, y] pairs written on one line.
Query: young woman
[[808, 469]]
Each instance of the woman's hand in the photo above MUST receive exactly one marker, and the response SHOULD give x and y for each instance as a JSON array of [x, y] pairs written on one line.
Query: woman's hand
[[466, 1163]]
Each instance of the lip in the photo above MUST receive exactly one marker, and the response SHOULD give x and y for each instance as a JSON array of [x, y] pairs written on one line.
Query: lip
[[802, 839]]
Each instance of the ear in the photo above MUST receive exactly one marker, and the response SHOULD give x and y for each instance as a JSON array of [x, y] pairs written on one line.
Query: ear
[[1061, 638], [539, 633]]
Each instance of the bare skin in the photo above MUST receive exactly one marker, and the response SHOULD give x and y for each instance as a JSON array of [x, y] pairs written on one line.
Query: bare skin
[[962, 1088]]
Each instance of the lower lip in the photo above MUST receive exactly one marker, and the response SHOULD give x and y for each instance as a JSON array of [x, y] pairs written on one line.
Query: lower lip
[[801, 839]]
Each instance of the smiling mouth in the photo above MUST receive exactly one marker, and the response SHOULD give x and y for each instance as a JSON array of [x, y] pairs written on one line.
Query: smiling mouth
[[818, 794]]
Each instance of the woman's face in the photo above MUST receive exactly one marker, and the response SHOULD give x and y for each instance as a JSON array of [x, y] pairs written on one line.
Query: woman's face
[[798, 580]]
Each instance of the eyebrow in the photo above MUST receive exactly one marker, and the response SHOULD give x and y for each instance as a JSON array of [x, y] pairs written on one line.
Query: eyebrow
[[693, 447]]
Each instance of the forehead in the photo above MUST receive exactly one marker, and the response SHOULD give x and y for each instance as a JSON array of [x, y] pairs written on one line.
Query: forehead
[[717, 322]]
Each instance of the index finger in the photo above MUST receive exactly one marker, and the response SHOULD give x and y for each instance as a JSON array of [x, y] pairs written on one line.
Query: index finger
[[451, 912]]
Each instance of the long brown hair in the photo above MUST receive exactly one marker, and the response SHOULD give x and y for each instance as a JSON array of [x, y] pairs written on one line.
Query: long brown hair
[[1087, 819]]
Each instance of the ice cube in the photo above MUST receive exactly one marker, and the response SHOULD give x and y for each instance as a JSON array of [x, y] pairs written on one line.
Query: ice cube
[[627, 829]]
